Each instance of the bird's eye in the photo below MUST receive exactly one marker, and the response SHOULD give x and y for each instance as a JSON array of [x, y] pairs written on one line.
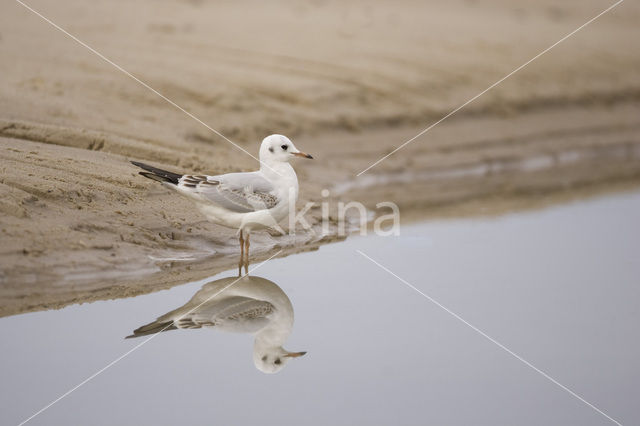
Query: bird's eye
[[284, 147], [264, 358], [277, 361]]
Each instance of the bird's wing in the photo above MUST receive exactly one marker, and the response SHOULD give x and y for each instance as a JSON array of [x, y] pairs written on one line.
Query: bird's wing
[[235, 313], [238, 192]]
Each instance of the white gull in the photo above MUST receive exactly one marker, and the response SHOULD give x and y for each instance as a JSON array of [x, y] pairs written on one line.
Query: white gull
[[238, 305], [242, 201]]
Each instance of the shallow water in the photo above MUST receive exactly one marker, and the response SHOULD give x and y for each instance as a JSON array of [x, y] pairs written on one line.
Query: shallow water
[[559, 287]]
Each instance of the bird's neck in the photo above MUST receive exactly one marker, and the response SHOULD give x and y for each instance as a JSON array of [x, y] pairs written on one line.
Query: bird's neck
[[271, 336], [278, 171], [279, 327]]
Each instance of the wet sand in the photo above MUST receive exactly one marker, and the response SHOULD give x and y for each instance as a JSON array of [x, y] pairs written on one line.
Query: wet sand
[[347, 83]]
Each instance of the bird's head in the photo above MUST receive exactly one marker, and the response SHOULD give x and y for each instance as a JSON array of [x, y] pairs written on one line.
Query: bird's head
[[279, 149], [271, 360]]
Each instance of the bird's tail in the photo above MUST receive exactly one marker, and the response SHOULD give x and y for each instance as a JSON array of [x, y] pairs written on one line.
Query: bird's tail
[[153, 328], [158, 174]]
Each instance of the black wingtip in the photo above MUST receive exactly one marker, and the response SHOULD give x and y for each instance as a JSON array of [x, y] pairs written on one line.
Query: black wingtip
[[157, 174]]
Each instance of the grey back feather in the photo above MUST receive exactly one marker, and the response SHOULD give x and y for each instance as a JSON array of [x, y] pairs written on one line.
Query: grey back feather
[[238, 192], [235, 313]]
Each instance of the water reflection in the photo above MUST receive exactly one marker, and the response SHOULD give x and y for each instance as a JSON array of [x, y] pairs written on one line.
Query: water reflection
[[250, 305]]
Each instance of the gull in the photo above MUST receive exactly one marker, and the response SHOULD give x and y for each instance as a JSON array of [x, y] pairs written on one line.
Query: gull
[[242, 201], [249, 304]]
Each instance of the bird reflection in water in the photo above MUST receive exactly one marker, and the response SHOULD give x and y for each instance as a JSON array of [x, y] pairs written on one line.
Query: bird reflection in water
[[250, 305]]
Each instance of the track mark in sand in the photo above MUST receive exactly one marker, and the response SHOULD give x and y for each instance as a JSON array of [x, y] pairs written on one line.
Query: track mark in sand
[[89, 140]]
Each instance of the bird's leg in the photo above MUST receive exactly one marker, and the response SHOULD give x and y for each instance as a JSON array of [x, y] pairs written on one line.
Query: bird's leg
[[241, 254], [246, 253]]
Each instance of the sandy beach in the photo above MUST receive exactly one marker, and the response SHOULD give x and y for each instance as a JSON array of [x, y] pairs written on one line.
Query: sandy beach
[[347, 82]]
